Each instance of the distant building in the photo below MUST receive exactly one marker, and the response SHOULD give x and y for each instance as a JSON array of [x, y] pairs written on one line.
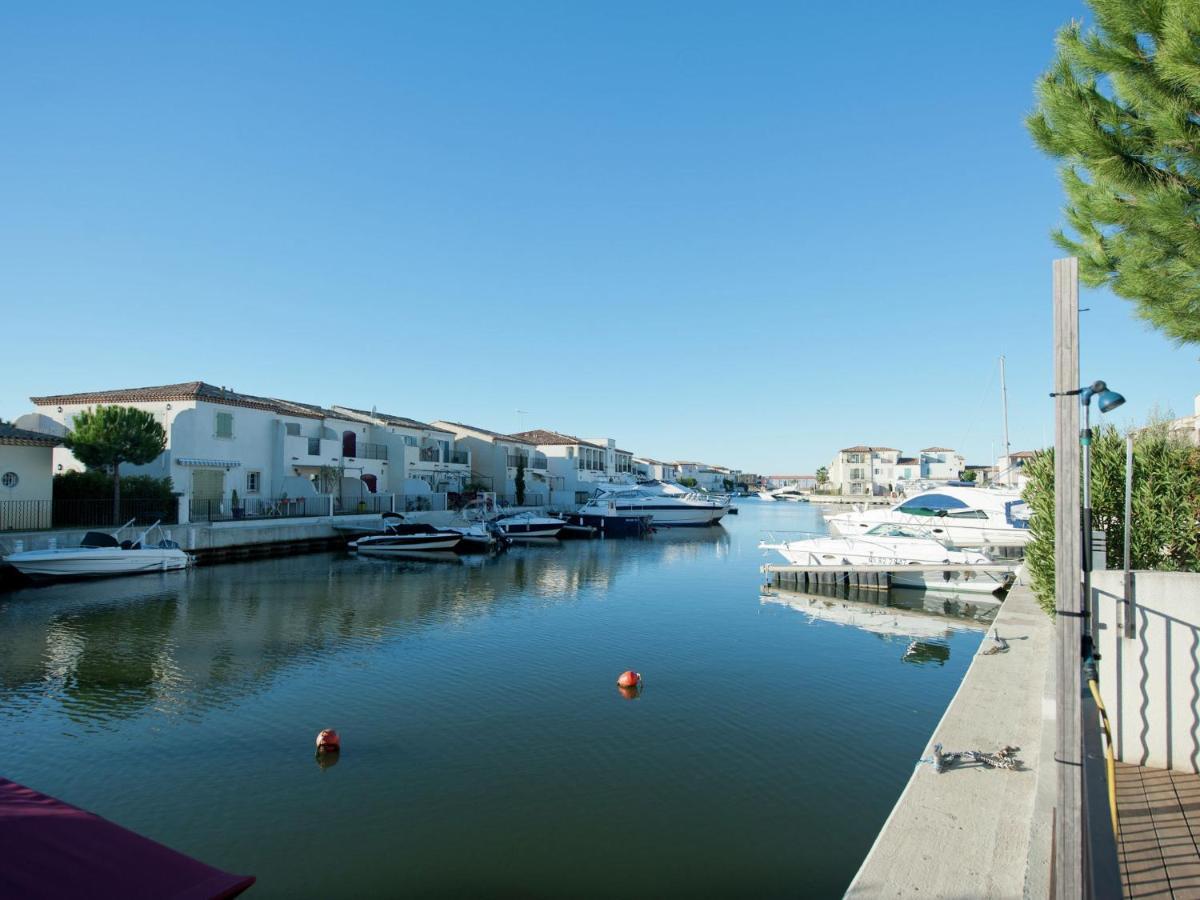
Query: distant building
[[864, 470], [645, 467], [26, 478], [577, 467], [496, 457], [1009, 469], [941, 464], [1188, 427], [803, 482]]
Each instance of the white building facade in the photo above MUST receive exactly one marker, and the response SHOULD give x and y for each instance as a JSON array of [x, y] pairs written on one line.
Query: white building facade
[[26, 478]]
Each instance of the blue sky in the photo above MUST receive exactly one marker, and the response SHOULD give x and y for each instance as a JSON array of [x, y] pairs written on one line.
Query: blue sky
[[745, 233]]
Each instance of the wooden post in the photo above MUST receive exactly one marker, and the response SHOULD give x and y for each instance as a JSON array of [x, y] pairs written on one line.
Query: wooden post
[[1069, 842]]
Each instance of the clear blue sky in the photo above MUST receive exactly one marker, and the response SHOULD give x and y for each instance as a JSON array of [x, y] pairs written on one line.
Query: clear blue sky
[[744, 233]]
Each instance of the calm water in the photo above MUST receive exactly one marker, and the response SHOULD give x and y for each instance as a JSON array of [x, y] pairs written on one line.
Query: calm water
[[487, 751]]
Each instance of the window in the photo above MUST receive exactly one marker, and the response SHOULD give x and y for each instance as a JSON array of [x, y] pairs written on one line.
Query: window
[[252, 480], [410, 441], [314, 446], [10, 479], [931, 505], [224, 425], [293, 428]]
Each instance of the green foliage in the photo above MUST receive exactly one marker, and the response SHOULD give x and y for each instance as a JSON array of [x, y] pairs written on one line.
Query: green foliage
[[1165, 530], [519, 481], [1117, 107], [111, 435], [822, 475], [328, 479], [96, 484], [728, 483], [968, 475], [688, 482]]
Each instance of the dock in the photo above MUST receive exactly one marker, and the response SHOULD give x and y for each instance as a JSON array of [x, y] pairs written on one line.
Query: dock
[[872, 577]]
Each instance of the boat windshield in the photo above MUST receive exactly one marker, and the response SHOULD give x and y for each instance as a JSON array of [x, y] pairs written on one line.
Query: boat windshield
[[895, 531]]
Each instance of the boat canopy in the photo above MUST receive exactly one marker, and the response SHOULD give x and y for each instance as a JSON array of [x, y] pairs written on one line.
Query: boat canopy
[[53, 849]]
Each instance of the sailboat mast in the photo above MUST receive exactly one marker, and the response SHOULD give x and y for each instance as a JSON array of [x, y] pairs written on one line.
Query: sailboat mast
[[1007, 446]]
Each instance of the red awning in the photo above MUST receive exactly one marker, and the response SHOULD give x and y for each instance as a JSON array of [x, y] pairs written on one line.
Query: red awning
[[51, 849]]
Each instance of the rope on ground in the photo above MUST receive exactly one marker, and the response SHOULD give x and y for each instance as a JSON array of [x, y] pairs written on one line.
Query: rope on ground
[[999, 645], [1004, 758]]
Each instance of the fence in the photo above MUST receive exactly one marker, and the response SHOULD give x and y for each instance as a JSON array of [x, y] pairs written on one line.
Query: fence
[[421, 502], [372, 451], [73, 513], [361, 504], [221, 510], [531, 499], [27, 515]]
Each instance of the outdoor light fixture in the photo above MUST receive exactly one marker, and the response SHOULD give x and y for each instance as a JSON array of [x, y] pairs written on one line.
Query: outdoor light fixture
[[1107, 400]]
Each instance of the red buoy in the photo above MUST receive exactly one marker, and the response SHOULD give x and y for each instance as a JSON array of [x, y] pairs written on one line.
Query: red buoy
[[328, 741], [630, 679]]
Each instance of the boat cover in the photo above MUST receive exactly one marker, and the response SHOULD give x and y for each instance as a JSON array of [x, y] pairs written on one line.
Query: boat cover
[[53, 849]]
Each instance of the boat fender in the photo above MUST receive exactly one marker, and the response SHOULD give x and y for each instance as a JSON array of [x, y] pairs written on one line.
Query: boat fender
[[328, 741], [630, 679]]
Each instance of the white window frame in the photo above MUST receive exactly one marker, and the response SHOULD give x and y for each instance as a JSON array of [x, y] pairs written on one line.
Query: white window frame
[[257, 477]]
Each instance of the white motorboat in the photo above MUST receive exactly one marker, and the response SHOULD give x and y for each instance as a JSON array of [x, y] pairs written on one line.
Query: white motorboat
[[528, 525], [764, 495], [667, 504], [404, 537], [962, 516], [896, 545], [101, 553], [477, 537]]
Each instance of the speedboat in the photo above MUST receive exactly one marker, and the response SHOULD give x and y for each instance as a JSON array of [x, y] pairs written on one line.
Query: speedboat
[[667, 505], [477, 537], [962, 516], [101, 553], [896, 545], [792, 493], [528, 525], [403, 537], [764, 495]]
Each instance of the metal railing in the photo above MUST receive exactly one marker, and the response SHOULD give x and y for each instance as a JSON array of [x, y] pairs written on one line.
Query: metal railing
[[359, 505], [531, 499], [372, 451], [460, 457], [222, 509], [70, 512], [540, 464], [517, 459], [430, 454], [435, 502], [28, 515]]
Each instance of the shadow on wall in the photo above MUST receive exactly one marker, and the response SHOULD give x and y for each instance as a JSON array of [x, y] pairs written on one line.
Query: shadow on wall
[[1151, 682]]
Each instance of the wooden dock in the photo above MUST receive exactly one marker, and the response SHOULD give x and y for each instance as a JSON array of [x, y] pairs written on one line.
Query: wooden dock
[[871, 577]]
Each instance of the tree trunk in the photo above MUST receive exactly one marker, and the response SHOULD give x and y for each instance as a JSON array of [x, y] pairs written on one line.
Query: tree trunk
[[117, 493]]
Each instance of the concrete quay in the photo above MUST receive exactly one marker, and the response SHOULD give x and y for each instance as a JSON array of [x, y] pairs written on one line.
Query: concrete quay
[[974, 831]]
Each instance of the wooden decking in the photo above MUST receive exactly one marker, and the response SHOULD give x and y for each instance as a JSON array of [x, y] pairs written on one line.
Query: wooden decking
[[1159, 813]]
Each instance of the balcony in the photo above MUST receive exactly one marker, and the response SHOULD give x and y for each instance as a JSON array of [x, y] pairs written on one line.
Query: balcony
[[372, 451], [460, 457], [516, 459], [541, 463], [430, 454]]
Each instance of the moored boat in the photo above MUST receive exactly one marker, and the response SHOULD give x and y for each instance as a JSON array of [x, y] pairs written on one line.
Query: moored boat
[[404, 537], [102, 554], [528, 525]]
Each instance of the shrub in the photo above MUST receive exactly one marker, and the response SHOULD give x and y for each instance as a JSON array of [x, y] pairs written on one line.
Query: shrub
[[96, 484]]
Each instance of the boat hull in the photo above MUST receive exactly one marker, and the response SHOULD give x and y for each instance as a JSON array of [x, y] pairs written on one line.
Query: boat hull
[[389, 544], [100, 562]]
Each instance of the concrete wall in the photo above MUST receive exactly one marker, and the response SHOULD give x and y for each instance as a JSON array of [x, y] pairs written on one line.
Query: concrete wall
[[1151, 682]]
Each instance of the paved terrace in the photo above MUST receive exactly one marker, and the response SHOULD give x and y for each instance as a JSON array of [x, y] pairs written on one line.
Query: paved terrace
[[972, 831]]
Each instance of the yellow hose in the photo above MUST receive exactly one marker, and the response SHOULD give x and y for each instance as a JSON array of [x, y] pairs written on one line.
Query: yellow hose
[[1110, 765]]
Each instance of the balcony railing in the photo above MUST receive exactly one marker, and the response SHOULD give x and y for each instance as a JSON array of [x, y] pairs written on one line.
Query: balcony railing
[[222, 509], [371, 451], [460, 457], [516, 459], [539, 464], [365, 503], [430, 454]]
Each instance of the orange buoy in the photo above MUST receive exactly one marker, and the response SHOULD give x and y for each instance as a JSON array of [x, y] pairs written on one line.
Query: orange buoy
[[328, 741], [630, 679]]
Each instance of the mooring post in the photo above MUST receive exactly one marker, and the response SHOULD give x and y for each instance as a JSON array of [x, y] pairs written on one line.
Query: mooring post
[[1070, 604]]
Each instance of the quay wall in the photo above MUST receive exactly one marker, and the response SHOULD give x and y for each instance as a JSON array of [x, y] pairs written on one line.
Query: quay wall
[[971, 831], [1150, 682]]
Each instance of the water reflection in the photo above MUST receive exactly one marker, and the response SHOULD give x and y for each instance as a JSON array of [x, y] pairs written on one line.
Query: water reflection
[[113, 649], [923, 619]]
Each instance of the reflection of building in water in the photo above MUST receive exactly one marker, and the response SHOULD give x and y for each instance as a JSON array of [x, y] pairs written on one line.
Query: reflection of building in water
[[186, 642], [908, 615], [685, 544]]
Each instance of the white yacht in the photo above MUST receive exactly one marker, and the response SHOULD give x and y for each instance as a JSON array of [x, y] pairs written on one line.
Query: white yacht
[[764, 495], [102, 553], [667, 504], [897, 545], [962, 516]]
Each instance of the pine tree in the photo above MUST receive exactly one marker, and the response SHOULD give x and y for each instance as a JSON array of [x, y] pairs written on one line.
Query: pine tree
[[1121, 108], [111, 435]]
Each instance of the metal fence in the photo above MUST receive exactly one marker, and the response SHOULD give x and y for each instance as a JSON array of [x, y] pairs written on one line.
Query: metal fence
[[366, 503], [222, 510], [531, 499], [435, 502], [372, 451], [27, 515], [72, 513]]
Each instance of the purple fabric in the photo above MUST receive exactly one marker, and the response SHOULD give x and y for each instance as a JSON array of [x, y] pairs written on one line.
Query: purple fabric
[[52, 849]]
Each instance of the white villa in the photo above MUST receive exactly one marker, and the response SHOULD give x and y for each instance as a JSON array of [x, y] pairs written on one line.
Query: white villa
[[293, 458], [420, 452], [645, 467], [871, 470], [942, 464], [577, 466], [1009, 468], [495, 458], [26, 478]]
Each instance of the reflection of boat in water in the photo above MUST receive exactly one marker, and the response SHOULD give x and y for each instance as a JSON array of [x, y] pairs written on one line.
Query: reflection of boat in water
[[432, 556], [911, 614]]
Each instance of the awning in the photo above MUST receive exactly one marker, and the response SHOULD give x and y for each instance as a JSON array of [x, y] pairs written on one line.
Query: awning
[[52, 849], [208, 463]]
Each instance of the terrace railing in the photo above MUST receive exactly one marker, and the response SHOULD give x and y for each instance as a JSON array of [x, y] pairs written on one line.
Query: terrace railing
[[74, 513], [222, 510], [430, 454], [372, 451], [361, 505], [459, 457], [435, 502], [28, 515]]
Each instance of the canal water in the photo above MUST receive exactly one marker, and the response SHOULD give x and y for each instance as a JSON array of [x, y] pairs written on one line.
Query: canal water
[[487, 749]]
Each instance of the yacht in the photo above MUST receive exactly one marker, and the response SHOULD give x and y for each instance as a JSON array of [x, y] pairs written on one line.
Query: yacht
[[667, 504], [102, 553], [764, 495], [402, 537], [962, 516], [898, 545]]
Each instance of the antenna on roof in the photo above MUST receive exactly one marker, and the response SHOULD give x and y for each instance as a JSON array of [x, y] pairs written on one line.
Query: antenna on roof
[[522, 413]]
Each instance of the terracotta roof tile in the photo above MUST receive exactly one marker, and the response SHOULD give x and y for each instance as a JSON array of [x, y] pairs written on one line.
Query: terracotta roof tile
[[554, 438], [185, 390], [11, 435], [494, 435]]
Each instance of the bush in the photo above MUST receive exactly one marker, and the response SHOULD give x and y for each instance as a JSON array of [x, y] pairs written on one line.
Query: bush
[[95, 484], [1165, 505]]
